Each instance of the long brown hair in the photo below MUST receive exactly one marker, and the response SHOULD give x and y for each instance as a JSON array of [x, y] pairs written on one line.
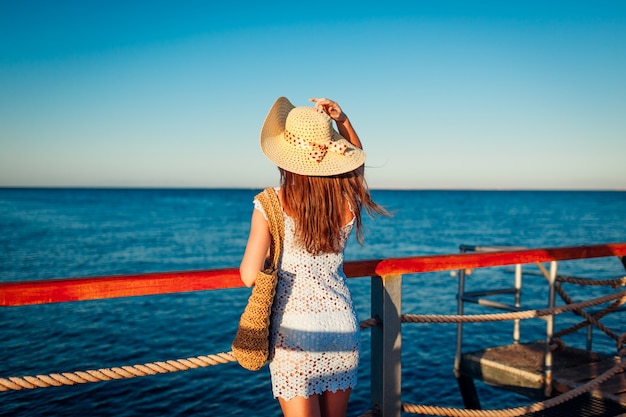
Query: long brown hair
[[318, 205]]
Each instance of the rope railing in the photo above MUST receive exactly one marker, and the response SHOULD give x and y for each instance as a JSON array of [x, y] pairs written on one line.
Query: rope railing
[[24, 293], [589, 319], [130, 371], [612, 282], [518, 315], [108, 374]]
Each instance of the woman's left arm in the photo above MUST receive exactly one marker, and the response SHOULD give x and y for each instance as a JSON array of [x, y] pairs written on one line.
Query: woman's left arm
[[256, 250]]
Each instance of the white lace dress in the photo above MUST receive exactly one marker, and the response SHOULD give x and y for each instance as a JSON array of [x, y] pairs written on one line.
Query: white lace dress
[[314, 334]]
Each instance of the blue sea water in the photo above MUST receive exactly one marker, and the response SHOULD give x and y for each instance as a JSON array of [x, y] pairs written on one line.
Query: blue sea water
[[52, 233]]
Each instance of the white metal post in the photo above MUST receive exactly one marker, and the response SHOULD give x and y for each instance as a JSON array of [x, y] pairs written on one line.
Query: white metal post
[[518, 301], [550, 330]]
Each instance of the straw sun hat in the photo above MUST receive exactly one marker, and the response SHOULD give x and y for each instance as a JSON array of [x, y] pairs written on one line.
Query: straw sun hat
[[302, 140]]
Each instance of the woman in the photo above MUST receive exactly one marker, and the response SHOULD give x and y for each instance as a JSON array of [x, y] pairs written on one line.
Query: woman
[[314, 334]]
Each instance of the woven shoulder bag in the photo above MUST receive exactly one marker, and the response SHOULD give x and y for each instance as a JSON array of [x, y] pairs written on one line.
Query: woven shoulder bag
[[251, 344]]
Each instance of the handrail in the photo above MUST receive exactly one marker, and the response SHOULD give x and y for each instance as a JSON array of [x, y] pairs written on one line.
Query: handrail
[[386, 335], [93, 288]]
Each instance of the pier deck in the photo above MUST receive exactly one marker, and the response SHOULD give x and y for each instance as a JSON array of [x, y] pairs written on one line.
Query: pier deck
[[520, 368]]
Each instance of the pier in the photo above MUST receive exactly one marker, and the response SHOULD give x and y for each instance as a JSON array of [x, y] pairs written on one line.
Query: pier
[[558, 376]]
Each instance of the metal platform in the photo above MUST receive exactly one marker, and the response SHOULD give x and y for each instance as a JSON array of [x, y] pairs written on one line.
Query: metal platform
[[520, 368]]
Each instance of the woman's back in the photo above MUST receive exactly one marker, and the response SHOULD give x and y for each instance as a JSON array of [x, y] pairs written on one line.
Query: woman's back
[[314, 330]]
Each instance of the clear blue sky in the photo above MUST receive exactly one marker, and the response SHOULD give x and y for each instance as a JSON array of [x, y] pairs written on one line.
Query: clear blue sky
[[444, 94]]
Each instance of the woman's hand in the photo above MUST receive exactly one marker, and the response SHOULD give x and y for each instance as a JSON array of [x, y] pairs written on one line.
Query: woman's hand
[[329, 107], [344, 126]]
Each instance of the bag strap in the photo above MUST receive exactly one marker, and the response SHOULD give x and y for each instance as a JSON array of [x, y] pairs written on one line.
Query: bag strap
[[274, 213]]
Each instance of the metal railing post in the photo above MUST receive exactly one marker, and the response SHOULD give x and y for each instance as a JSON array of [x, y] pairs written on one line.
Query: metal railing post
[[459, 310], [459, 325], [550, 330], [518, 301], [387, 345], [466, 383]]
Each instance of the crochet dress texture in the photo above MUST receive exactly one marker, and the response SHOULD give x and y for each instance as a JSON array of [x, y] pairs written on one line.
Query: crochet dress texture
[[314, 333]]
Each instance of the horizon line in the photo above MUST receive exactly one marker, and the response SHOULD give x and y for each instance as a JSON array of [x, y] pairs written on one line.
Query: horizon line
[[376, 188]]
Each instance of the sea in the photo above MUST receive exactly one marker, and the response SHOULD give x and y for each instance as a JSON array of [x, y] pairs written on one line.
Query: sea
[[63, 233]]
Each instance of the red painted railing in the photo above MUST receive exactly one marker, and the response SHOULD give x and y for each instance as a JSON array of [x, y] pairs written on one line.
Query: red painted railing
[[92, 288]]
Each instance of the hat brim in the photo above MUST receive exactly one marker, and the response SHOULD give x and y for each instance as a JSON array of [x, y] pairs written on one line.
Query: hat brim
[[296, 160]]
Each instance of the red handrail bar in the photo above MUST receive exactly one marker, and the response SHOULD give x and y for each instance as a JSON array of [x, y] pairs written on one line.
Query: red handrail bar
[[93, 288]]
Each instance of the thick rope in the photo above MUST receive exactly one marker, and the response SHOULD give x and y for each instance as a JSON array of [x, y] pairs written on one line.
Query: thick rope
[[611, 308], [129, 371], [107, 374], [518, 411], [613, 283], [588, 317], [582, 281], [366, 324], [522, 315]]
